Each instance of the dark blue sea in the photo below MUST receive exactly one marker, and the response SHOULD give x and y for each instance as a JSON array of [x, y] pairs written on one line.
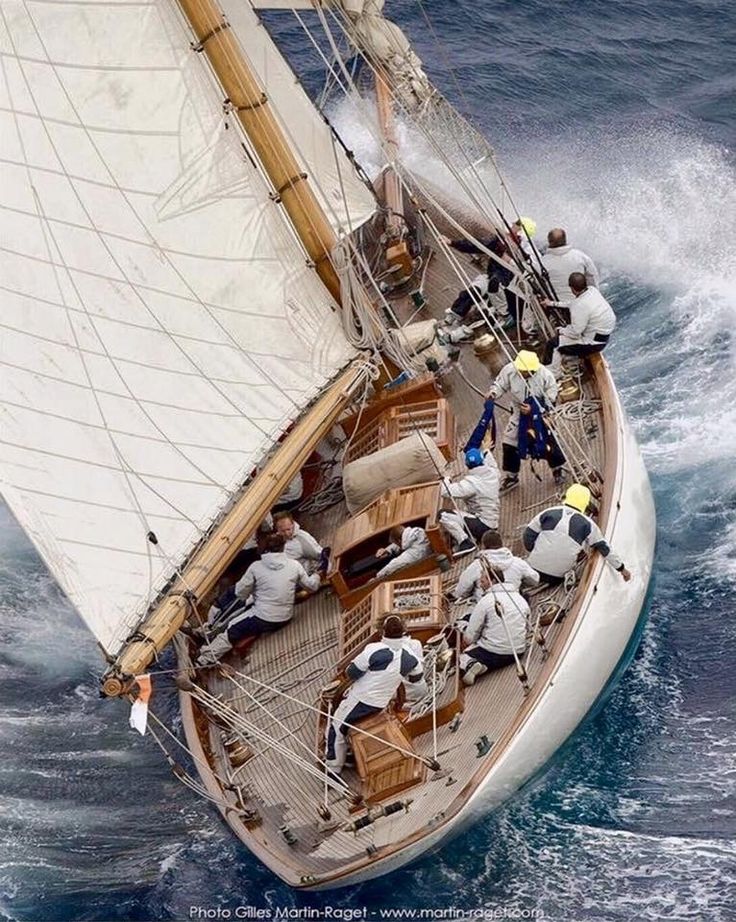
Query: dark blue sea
[[618, 122]]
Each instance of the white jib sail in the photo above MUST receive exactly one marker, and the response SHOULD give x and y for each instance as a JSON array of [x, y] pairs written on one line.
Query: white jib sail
[[159, 328]]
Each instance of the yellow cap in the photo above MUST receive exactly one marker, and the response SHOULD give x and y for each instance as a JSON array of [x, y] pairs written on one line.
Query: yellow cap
[[578, 497], [529, 225], [526, 360]]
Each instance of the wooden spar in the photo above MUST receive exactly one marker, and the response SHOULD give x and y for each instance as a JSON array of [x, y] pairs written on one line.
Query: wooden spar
[[217, 41], [203, 570], [392, 192], [249, 102]]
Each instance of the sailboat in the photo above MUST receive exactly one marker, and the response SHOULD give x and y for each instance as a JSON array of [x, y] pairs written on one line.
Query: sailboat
[[205, 302]]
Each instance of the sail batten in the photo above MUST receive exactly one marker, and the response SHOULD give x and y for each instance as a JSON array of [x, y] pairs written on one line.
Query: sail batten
[[161, 328]]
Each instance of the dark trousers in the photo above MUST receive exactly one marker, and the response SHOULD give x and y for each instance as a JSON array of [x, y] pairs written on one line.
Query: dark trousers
[[511, 462], [489, 659], [477, 527], [576, 349], [357, 713], [252, 626], [548, 580], [466, 301]]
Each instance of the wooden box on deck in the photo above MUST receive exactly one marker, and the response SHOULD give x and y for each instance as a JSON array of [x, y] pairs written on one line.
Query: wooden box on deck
[[363, 534], [434, 418], [383, 770]]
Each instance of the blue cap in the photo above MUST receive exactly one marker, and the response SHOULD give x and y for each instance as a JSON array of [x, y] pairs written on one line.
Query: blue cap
[[473, 457]]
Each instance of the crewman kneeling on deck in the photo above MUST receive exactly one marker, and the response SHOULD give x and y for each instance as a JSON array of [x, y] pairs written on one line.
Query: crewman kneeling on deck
[[409, 544], [375, 673], [555, 538], [478, 489], [592, 321], [515, 570], [521, 379], [299, 545], [272, 581], [496, 629]]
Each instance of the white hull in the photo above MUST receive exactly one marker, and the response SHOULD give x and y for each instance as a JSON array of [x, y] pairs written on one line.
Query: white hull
[[609, 617]]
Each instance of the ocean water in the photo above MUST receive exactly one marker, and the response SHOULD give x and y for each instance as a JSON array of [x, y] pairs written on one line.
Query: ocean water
[[616, 121]]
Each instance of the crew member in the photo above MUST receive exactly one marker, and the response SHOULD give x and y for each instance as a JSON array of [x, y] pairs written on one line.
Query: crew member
[[409, 544], [496, 629], [521, 379], [561, 260], [555, 538], [478, 490], [375, 673], [499, 276], [516, 572], [299, 544], [272, 581], [592, 321]]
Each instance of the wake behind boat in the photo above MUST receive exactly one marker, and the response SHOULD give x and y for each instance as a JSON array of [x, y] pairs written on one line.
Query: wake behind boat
[[178, 370]]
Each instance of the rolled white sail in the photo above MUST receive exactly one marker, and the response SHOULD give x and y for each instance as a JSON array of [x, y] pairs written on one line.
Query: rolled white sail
[[159, 328]]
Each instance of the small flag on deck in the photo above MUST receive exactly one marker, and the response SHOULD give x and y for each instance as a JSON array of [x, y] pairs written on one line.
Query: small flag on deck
[[139, 711]]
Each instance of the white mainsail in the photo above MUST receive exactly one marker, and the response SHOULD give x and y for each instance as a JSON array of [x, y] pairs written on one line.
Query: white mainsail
[[160, 328]]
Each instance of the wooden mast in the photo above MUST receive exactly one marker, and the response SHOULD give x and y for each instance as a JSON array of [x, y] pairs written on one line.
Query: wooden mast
[[250, 103], [217, 41]]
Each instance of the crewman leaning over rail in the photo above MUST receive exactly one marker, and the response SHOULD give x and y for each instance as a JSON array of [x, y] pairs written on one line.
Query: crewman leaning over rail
[[592, 321], [555, 537]]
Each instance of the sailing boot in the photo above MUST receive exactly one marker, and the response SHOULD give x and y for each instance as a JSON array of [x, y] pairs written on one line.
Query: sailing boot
[[474, 670], [510, 482], [214, 650]]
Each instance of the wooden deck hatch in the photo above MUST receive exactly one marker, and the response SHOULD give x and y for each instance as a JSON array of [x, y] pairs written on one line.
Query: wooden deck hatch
[[419, 601], [361, 536], [434, 418], [382, 768]]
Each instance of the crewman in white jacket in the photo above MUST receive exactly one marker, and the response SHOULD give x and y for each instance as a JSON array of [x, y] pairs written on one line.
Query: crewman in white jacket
[[375, 673], [518, 380], [272, 581], [409, 544], [479, 491], [516, 572], [555, 537], [592, 321], [495, 630], [561, 260], [299, 545]]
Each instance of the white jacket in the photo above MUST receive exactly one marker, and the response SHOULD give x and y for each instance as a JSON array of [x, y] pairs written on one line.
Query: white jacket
[[561, 262], [486, 629], [541, 384], [515, 570], [555, 537], [590, 313], [379, 669], [478, 489], [302, 546], [272, 581], [415, 546]]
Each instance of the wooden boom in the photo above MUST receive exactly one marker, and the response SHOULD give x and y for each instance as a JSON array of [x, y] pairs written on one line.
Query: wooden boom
[[218, 42], [203, 570]]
